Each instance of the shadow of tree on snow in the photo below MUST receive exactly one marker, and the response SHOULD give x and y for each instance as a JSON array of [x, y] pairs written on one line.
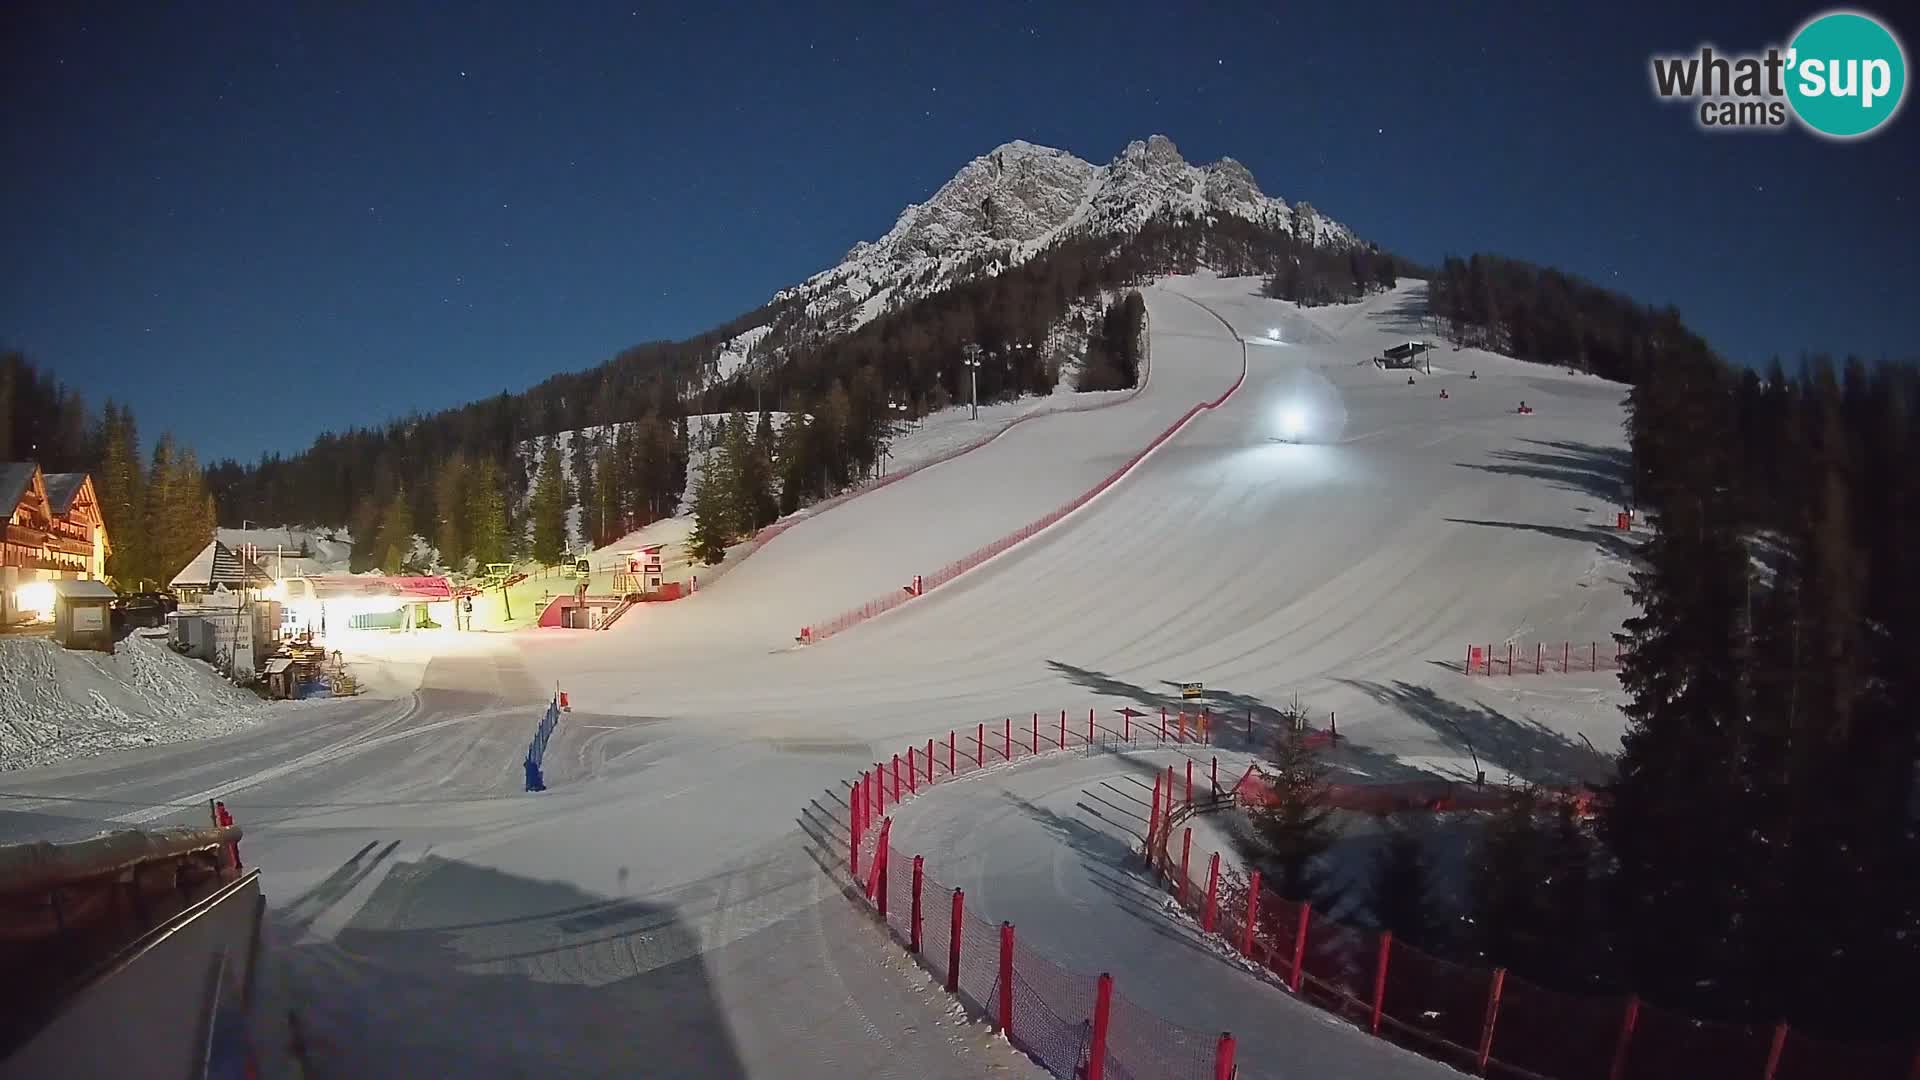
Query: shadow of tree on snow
[[1586, 468], [1525, 748]]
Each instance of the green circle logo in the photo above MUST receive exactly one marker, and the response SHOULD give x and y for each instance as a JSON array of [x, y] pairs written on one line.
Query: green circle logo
[[1847, 74]]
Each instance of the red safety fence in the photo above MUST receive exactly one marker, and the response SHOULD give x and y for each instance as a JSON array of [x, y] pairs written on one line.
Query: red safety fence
[[1542, 658], [879, 605], [1490, 1021], [1075, 1024]]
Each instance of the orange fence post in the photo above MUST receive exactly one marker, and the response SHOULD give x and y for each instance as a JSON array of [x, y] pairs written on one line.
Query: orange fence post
[[980, 745], [1493, 1013], [1097, 1039], [1006, 979], [1189, 781], [1089, 725], [1469, 661], [1253, 913], [1593, 664], [1163, 723], [930, 761], [896, 778], [1774, 1050], [913, 773], [953, 941], [853, 829], [1627, 1021], [1566, 656], [1063, 730], [1036, 733], [1299, 948], [1509, 659], [950, 755], [1153, 817], [1213, 893], [1213, 780], [1223, 1057], [1537, 646], [1380, 977], [913, 929], [1489, 659], [1186, 850]]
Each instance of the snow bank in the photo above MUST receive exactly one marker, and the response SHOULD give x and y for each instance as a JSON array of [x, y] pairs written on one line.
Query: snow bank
[[57, 703]]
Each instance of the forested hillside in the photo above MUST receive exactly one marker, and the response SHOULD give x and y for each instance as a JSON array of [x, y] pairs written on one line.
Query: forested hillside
[[1021, 319]]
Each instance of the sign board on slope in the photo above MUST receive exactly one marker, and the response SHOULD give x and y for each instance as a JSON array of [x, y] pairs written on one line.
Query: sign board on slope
[[1191, 690]]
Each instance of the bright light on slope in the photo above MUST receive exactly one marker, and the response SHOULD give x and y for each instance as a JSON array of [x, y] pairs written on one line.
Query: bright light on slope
[[1293, 421], [1273, 333]]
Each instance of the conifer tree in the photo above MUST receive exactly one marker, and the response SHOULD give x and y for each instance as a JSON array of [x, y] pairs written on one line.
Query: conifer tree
[[1296, 827], [394, 541], [549, 510], [707, 543], [121, 488], [1402, 889], [1508, 875], [450, 509], [487, 513], [607, 515]]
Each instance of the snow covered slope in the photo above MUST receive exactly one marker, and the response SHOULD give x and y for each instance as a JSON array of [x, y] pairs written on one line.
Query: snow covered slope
[[57, 703], [1006, 206]]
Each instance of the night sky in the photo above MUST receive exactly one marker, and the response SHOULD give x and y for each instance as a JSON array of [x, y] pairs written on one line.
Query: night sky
[[260, 221]]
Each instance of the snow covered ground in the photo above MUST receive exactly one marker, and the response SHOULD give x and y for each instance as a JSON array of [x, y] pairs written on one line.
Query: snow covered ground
[[663, 885], [58, 703]]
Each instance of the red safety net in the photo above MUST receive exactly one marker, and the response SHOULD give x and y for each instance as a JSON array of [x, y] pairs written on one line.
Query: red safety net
[[1803, 1058], [1436, 1006], [1668, 1046], [1565, 1036]]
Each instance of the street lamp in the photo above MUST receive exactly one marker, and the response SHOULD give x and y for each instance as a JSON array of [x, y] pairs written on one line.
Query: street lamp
[[973, 380]]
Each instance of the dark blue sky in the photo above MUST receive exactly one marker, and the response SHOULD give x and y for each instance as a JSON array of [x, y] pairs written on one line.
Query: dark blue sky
[[259, 221]]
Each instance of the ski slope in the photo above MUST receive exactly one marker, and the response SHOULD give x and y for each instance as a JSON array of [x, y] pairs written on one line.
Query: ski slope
[[661, 899]]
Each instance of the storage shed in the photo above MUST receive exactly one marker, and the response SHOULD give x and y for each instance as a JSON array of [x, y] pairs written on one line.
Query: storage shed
[[83, 614]]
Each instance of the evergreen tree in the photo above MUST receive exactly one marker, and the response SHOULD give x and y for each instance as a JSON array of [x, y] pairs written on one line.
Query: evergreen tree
[[707, 543], [607, 516], [487, 513], [121, 488], [582, 495], [167, 527], [549, 510], [450, 511], [1296, 826], [1402, 889], [1508, 878], [394, 540]]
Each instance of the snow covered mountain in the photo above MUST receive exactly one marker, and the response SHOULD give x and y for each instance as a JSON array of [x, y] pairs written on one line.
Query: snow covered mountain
[[1014, 202]]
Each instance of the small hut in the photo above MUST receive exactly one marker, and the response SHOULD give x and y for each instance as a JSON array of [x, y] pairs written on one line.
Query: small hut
[[83, 614]]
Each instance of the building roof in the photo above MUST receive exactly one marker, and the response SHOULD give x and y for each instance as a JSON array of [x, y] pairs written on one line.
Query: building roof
[[218, 565], [334, 586], [82, 589], [1411, 348], [14, 478], [61, 488]]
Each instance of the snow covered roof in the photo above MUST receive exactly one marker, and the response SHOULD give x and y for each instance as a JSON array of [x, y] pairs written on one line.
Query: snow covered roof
[[333, 586], [14, 478], [83, 589], [61, 488], [218, 565]]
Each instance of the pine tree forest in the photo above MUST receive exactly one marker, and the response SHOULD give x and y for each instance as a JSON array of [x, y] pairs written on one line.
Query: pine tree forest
[[156, 505]]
